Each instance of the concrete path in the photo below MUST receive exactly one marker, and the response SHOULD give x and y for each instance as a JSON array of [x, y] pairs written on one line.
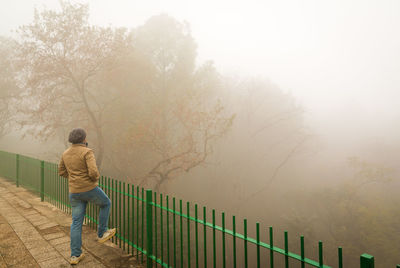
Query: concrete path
[[36, 234]]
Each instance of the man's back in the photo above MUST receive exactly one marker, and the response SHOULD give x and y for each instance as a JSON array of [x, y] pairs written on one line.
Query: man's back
[[78, 164]]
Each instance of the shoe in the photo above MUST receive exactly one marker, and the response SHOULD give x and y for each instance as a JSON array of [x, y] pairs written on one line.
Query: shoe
[[75, 260], [107, 235]]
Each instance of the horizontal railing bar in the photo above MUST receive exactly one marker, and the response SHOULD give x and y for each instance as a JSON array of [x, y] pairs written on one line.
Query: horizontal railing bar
[[55, 199], [159, 261], [121, 192], [249, 239], [131, 244]]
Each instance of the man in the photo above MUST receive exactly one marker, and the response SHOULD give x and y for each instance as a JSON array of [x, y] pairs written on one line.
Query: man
[[78, 165]]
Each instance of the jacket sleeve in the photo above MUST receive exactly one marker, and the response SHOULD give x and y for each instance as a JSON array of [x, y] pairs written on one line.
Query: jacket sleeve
[[92, 167], [62, 170]]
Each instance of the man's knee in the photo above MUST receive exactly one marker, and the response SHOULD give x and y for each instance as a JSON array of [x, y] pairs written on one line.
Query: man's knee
[[78, 216], [103, 201], [106, 202]]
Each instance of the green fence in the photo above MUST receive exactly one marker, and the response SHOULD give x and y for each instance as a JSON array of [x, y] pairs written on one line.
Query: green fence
[[162, 232]]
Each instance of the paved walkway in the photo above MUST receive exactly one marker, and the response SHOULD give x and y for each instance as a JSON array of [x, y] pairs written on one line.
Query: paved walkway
[[36, 234]]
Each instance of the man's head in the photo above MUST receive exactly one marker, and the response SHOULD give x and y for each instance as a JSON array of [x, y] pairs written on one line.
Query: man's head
[[77, 135]]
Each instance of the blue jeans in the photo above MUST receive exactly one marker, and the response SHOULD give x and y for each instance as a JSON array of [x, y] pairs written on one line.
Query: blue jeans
[[78, 203]]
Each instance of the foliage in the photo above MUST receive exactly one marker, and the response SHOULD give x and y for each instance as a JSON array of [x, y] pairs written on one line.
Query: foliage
[[143, 83], [177, 116], [62, 61], [8, 84]]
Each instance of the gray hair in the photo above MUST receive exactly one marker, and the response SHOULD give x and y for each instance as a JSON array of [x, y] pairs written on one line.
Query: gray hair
[[77, 135]]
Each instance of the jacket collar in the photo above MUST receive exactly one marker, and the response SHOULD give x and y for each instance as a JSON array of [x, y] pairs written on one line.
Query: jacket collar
[[78, 144]]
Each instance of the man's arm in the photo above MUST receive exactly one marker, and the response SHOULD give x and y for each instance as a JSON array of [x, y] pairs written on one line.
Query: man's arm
[[62, 170], [92, 167]]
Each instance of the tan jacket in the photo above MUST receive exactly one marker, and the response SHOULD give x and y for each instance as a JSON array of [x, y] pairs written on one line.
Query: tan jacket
[[78, 165]]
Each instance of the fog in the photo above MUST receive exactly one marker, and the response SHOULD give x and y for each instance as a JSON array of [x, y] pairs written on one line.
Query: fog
[[339, 58], [310, 113]]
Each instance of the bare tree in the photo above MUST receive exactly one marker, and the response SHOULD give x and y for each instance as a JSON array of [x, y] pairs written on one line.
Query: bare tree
[[268, 135], [196, 131]]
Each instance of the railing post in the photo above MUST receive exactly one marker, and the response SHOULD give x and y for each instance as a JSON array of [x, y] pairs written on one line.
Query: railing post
[[41, 181], [367, 261], [17, 170], [149, 227]]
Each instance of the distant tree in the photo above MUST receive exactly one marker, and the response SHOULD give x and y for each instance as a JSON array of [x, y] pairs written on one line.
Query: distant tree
[[356, 215], [64, 60], [176, 117], [269, 132], [8, 83], [171, 51]]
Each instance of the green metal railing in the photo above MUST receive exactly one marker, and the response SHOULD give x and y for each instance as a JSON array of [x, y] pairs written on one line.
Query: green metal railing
[[168, 236]]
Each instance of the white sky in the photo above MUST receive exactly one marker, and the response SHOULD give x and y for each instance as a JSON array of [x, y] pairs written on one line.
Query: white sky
[[341, 58]]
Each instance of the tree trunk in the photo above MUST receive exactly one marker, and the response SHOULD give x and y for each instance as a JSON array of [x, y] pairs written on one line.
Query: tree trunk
[[100, 154], [99, 132], [159, 183]]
